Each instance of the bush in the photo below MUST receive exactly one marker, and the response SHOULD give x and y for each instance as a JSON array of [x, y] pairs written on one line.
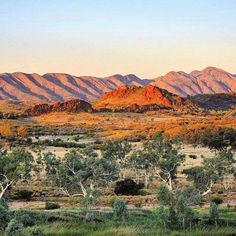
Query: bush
[[217, 200], [192, 156], [89, 217], [25, 217], [213, 213], [52, 205], [35, 231], [14, 228], [4, 216], [120, 210], [127, 187], [24, 194]]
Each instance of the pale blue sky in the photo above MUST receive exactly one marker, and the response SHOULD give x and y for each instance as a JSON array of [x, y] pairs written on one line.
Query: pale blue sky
[[104, 37]]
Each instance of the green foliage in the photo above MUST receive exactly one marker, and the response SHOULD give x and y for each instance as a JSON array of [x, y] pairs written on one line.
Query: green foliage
[[162, 216], [213, 213], [4, 216], [89, 217], [24, 194], [190, 194], [25, 217], [217, 200], [14, 166], [14, 228], [211, 170], [80, 171], [120, 210], [159, 158], [51, 205], [34, 231], [164, 196]]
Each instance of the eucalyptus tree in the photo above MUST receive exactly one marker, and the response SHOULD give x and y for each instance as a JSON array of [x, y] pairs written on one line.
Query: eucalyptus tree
[[159, 158], [80, 171], [118, 151], [212, 170], [14, 166]]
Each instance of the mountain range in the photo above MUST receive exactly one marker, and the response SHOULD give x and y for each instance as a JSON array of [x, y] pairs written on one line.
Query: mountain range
[[61, 87]]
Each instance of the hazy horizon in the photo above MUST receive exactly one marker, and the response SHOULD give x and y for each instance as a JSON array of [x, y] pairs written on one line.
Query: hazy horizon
[[102, 38]]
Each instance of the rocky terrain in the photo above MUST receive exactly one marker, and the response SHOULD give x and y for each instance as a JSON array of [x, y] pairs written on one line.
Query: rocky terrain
[[73, 106], [139, 99]]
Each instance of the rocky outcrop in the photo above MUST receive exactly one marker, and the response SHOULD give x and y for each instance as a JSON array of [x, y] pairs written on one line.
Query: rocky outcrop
[[140, 99], [73, 106]]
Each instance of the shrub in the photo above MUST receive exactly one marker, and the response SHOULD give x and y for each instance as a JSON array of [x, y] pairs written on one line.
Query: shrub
[[14, 228], [120, 210], [164, 195], [4, 216], [35, 231], [24, 194], [25, 217], [127, 187], [192, 156], [213, 213], [52, 205], [3, 203], [217, 200], [89, 217]]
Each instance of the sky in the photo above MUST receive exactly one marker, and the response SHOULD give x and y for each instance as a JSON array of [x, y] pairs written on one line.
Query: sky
[[104, 37]]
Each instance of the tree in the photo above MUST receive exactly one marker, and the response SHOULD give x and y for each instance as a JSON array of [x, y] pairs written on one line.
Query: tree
[[14, 166], [120, 210], [140, 163], [162, 157], [213, 213], [190, 195], [80, 171], [162, 216], [211, 170], [164, 196], [6, 129], [178, 203], [117, 151]]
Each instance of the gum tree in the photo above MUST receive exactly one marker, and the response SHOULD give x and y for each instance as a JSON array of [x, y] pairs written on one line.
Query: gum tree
[[14, 166], [80, 171], [212, 170], [159, 158]]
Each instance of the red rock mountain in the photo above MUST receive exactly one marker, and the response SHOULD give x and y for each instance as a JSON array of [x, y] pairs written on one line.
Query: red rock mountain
[[68, 106], [134, 98], [208, 81], [60, 87]]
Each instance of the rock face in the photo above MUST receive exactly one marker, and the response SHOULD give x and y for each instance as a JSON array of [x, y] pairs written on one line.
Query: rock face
[[68, 106], [60, 87], [139, 99], [208, 81], [221, 101]]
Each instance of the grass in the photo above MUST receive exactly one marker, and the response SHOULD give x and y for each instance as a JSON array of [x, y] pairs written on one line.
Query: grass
[[71, 222]]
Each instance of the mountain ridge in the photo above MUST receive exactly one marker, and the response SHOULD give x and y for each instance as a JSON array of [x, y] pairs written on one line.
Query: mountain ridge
[[61, 87]]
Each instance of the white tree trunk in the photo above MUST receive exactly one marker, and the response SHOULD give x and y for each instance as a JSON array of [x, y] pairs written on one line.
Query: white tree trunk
[[209, 189]]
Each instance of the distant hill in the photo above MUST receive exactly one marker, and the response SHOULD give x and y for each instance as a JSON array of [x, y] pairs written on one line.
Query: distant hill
[[208, 81], [134, 98], [221, 101], [60, 87]]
